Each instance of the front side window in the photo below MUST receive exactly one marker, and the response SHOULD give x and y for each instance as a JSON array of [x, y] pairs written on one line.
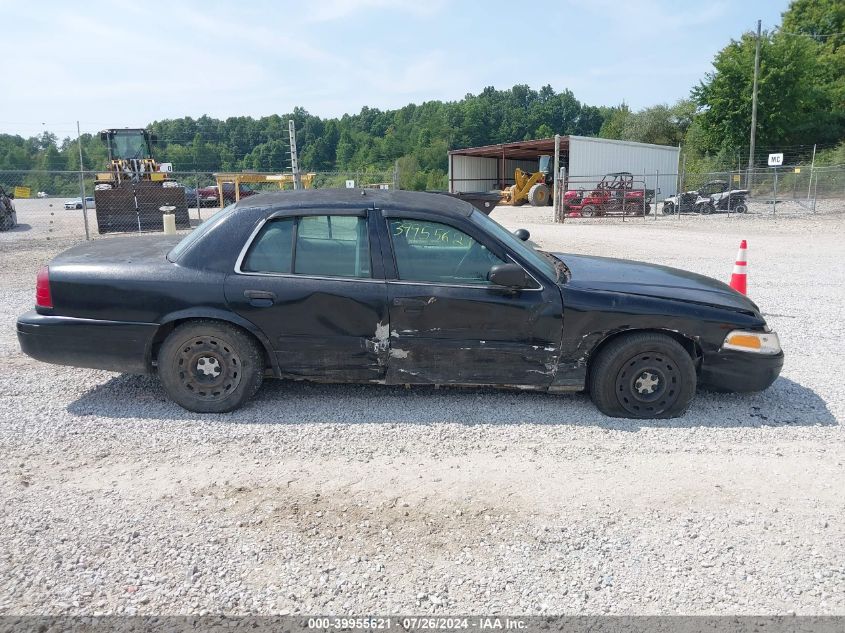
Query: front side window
[[439, 253]]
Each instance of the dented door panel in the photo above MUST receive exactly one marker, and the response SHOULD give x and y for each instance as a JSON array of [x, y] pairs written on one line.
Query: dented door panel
[[472, 335], [319, 327]]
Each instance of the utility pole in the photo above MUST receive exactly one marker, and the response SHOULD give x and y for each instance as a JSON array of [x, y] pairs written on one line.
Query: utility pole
[[294, 160], [754, 107]]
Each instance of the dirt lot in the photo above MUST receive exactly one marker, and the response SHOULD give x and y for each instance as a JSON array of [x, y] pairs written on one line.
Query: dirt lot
[[381, 500]]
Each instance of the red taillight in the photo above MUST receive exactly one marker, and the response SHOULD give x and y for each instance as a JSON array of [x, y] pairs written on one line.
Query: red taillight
[[43, 297]]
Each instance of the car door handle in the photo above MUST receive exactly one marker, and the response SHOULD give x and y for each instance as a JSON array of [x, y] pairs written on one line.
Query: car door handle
[[260, 298], [410, 304]]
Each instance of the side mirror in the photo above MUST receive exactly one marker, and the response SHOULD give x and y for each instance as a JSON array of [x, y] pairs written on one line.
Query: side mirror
[[522, 234], [509, 276]]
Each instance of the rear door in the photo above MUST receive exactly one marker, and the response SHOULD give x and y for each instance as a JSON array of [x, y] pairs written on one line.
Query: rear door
[[313, 282], [448, 324]]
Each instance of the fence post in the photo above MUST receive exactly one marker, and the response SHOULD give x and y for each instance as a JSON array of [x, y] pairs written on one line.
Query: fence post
[[775, 197], [812, 167], [396, 174], [730, 185], [656, 189], [560, 216], [82, 183], [681, 185], [198, 201]]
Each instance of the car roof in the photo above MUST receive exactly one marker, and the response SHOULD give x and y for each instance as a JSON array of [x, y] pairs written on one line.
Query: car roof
[[281, 201]]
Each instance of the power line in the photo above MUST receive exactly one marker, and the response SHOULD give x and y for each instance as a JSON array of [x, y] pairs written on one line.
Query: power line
[[812, 35]]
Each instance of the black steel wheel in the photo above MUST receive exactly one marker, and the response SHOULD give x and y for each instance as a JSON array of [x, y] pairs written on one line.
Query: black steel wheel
[[210, 366], [707, 208], [643, 376], [741, 208]]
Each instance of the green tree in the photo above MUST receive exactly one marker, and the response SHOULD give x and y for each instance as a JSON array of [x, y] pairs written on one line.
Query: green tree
[[795, 105]]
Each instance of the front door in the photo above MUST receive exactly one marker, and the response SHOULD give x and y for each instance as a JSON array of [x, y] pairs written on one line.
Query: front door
[[448, 324], [310, 283]]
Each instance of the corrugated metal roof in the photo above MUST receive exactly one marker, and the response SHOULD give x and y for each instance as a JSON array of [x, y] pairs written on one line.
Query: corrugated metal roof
[[518, 150]]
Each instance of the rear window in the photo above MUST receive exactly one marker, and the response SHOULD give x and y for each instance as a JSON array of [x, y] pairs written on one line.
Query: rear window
[[177, 251]]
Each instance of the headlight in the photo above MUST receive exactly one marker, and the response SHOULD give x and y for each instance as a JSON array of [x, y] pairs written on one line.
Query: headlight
[[756, 342]]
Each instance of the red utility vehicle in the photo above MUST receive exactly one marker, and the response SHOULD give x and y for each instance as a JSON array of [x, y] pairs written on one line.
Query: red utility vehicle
[[616, 193]]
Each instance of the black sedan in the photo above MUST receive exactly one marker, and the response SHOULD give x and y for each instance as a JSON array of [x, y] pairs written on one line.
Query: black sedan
[[391, 287]]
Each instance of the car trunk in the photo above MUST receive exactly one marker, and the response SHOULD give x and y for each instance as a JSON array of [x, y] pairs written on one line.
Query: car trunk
[[105, 276]]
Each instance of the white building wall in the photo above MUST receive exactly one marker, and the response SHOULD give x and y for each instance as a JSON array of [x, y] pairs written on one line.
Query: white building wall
[[591, 158], [528, 166], [475, 173]]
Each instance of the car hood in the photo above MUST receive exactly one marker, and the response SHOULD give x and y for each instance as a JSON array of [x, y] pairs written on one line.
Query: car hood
[[651, 280]]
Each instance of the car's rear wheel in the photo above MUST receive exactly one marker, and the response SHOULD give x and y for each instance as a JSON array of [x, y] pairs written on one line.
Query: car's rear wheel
[[210, 366], [642, 376], [588, 211]]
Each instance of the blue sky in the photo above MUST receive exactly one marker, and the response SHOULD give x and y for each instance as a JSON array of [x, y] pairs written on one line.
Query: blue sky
[[126, 64]]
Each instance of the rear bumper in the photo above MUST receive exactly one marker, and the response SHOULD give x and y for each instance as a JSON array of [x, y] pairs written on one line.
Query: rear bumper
[[111, 345], [729, 370]]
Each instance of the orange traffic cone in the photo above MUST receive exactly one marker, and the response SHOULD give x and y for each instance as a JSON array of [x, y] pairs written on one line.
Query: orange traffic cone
[[739, 277]]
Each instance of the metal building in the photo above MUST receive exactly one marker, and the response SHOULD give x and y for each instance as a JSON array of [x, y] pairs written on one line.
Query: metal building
[[585, 160]]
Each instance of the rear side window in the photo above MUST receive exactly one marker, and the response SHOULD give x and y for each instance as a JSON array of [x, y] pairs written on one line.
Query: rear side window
[[272, 248], [332, 246], [321, 245]]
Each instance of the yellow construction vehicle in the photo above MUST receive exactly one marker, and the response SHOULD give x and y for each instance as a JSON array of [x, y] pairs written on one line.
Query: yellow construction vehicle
[[131, 194], [531, 188]]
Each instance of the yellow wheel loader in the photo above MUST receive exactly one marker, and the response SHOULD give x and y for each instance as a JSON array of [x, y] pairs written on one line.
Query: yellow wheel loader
[[136, 190], [530, 188]]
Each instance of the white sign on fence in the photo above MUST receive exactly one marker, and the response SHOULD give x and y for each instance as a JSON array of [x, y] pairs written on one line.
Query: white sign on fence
[[350, 184], [775, 160], [165, 167]]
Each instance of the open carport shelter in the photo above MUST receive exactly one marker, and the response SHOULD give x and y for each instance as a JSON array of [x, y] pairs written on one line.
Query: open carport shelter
[[584, 161]]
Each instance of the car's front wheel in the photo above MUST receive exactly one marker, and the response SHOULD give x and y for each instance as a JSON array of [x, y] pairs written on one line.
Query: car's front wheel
[[210, 367], [643, 375]]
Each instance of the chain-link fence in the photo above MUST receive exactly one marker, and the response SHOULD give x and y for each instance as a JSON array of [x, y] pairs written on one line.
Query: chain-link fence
[[761, 192], [52, 205]]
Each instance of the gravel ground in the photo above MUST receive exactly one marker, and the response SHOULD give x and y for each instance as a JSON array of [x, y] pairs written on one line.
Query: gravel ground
[[382, 500]]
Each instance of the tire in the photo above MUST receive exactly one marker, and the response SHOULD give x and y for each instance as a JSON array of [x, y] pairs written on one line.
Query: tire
[[707, 208], [588, 211], [538, 195], [195, 350], [668, 208], [623, 371], [741, 208]]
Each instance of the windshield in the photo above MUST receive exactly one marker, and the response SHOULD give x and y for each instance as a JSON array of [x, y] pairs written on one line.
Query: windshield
[[523, 249], [129, 145], [176, 252]]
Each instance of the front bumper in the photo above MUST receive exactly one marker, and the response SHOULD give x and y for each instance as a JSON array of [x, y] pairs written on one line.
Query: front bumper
[[730, 370], [96, 344]]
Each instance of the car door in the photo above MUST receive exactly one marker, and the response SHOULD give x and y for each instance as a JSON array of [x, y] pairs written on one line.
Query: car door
[[311, 283], [448, 324]]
